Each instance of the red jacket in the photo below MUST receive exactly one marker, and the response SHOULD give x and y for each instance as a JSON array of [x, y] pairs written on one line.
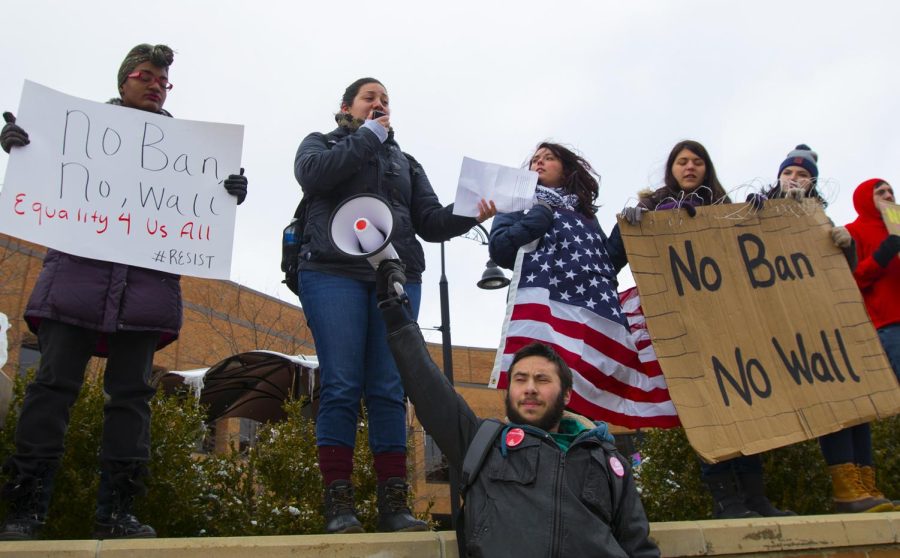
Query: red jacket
[[879, 285]]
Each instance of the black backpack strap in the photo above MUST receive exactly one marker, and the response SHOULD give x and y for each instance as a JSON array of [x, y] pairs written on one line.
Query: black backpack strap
[[481, 444], [478, 450]]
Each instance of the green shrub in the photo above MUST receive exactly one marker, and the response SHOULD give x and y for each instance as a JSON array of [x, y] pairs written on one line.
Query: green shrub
[[669, 477], [796, 476], [886, 449]]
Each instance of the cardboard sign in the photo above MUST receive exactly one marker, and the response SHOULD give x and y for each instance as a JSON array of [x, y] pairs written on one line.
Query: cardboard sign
[[122, 185], [890, 212], [758, 325]]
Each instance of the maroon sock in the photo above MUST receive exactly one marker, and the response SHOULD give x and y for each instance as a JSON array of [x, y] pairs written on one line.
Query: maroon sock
[[335, 463], [390, 464]]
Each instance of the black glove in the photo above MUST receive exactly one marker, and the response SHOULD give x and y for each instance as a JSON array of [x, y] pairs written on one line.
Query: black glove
[[889, 249], [236, 185], [756, 201], [12, 135], [389, 281]]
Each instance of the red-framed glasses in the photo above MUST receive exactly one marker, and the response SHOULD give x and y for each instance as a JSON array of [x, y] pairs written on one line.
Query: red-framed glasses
[[148, 77]]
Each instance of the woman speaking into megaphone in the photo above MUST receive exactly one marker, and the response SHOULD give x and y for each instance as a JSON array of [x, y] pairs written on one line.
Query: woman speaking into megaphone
[[337, 292]]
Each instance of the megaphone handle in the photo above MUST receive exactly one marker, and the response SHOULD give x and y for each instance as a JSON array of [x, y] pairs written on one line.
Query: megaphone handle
[[398, 288]]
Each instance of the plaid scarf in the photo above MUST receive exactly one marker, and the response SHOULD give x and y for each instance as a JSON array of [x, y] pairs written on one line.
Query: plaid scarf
[[556, 198]]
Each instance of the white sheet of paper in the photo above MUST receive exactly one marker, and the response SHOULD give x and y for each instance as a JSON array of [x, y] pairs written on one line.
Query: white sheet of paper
[[510, 188], [122, 185]]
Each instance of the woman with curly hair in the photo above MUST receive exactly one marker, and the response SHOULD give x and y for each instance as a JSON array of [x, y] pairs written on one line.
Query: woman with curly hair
[[565, 180]]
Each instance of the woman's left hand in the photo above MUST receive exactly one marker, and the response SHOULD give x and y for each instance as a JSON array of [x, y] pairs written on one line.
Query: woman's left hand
[[486, 210]]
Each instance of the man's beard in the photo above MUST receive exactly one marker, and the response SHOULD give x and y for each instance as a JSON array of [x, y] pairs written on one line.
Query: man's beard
[[550, 419]]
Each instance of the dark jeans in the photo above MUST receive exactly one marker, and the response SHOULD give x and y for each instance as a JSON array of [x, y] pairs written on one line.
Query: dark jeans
[[743, 464], [65, 351], [890, 340], [850, 445]]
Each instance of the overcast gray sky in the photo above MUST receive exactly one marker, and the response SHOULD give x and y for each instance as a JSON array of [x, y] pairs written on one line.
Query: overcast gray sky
[[620, 81]]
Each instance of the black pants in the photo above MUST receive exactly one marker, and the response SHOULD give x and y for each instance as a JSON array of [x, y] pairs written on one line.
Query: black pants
[[65, 351]]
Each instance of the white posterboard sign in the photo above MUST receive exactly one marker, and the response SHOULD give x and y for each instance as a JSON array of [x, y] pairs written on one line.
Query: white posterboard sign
[[122, 185]]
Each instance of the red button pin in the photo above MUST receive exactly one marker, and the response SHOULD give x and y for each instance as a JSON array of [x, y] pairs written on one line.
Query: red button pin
[[514, 437]]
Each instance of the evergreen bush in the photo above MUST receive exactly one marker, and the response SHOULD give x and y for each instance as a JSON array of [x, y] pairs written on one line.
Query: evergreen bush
[[272, 488], [796, 476]]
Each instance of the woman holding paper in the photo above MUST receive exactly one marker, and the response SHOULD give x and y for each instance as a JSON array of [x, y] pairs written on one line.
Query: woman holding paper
[[82, 308], [566, 180], [338, 296]]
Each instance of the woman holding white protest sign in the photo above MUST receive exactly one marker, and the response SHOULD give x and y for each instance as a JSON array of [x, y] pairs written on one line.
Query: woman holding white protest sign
[[81, 308], [337, 293]]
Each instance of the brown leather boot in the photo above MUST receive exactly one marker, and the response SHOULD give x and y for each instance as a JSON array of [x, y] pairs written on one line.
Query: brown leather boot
[[849, 494], [867, 476]]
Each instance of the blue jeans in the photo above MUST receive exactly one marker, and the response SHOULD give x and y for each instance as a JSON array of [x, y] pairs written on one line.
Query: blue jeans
[[355, 361], [890, 340]]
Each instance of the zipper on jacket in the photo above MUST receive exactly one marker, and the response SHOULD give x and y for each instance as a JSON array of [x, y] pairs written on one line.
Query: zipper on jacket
[[556, 533]]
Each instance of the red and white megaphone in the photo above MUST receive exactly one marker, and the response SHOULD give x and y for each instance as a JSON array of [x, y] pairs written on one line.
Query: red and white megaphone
[[362, 227]]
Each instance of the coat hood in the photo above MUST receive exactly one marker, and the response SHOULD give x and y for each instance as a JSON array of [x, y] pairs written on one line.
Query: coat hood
[[869, 223], [864, 201]]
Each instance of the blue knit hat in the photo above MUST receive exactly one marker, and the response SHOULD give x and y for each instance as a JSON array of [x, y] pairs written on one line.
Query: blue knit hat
[[801, 156]]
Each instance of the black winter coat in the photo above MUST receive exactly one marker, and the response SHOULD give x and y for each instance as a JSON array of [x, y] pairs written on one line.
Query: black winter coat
[[536, 501], [105, 297], [335, 166]]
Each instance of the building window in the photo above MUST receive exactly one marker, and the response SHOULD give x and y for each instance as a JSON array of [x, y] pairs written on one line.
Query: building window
[[248, 435], [436, 467]]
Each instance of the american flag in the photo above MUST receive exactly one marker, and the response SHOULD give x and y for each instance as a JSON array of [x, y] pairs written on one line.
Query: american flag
[[563, 294]]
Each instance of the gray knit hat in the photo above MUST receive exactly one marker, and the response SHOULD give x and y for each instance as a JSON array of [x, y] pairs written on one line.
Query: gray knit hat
[[160, 55]]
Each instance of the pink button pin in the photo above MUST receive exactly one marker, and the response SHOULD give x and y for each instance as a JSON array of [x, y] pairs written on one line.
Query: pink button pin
[[617, 466]]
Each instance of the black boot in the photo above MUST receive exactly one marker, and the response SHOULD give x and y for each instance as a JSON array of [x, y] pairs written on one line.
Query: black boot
[[393, 511], [28, 497], [120, 483], [340, 509], [755, 496], [728, 501]]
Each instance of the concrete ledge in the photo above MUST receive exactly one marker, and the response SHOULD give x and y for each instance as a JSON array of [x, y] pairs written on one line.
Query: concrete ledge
[[761, 536], [859, 536]]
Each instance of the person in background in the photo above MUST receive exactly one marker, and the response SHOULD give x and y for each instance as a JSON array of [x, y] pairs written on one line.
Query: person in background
[[338, 297], [877, 272], [690, 181], [81, 308]]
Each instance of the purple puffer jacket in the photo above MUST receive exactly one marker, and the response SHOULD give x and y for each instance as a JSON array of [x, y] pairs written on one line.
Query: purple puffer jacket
[[105, 297]]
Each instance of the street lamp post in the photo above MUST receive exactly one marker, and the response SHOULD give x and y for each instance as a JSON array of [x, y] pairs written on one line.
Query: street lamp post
[[447, 348], [489, 280]]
